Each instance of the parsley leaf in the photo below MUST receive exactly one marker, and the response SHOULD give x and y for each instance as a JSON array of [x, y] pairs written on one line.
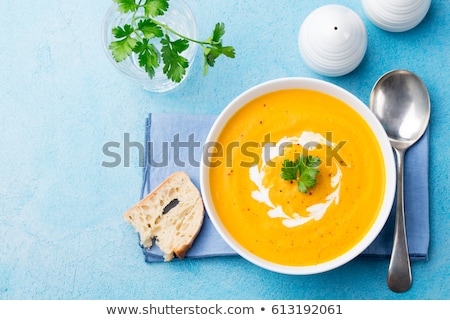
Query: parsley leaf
[[148, 56], [218, 32], [126, 5], [303, 169], [150, 29], [155, 8], [123, 47], [175, 65], [307, 179], [215, 49], [289, 170]]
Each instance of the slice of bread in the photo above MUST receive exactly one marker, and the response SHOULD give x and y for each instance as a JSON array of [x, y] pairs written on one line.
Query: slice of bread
[[172, 213]]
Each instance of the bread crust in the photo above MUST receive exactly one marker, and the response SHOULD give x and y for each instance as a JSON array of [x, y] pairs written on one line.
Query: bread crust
[[171, 215]]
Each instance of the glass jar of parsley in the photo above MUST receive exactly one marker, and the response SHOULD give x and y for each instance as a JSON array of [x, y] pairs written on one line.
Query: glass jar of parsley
[[142, 39]]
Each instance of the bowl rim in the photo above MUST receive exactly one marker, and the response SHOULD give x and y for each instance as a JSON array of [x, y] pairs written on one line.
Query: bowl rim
[[356, 104]]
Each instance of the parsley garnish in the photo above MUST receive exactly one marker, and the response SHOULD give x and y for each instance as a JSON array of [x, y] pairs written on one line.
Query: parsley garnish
[[136, 37], [303, 169]]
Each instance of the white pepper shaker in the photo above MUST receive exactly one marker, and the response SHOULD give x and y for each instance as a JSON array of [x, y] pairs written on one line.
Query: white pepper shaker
[[396, 15], [332, 40]]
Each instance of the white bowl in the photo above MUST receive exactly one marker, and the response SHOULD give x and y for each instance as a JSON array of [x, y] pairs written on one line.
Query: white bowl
[[362, 110]]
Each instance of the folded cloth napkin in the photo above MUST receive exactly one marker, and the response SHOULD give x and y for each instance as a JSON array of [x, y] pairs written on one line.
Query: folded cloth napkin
[[174, 143]]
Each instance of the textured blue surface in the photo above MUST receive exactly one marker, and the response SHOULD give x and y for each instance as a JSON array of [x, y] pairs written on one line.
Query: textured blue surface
[[62, 234]]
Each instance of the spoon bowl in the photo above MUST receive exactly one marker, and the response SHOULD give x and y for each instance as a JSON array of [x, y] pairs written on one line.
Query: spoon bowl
[[401, 102]]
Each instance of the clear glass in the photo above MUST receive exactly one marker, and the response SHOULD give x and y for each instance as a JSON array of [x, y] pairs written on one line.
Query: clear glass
[[178, 17]]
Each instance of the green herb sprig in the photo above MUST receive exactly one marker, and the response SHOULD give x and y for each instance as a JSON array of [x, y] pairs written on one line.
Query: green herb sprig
[[137, 37], [303, 170]]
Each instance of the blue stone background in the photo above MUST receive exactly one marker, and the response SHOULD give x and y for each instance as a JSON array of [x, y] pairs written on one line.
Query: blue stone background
[[61, 228]]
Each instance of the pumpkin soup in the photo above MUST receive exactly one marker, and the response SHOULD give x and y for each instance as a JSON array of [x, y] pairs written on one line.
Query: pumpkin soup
[[270, 216]]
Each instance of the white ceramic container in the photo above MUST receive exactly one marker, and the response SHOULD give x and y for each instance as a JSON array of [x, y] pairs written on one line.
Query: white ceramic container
[[396, 15], [332, 40]]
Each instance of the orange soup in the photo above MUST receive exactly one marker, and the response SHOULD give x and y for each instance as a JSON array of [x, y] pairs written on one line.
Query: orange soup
[[268, 215]]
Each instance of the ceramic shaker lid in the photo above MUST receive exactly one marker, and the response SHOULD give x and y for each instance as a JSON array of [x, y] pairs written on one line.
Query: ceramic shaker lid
[[332, 40], [396, 15]]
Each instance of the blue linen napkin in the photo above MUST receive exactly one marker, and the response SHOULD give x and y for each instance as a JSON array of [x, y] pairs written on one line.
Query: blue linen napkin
[[162, 157]]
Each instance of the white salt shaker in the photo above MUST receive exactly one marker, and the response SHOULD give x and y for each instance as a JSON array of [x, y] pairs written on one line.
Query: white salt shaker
[[396, 15], [332, 40]]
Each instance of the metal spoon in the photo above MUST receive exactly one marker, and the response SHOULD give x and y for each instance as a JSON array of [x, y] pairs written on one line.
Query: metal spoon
[[401, 102]]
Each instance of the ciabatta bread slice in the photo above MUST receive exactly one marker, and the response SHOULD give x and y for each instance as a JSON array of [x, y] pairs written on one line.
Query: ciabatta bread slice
[[172, 214]]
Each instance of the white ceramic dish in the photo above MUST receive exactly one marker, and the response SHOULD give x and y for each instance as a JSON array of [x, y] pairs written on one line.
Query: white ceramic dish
[[352, 101]]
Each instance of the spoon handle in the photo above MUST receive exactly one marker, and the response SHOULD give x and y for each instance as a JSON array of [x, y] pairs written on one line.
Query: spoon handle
[[399, 273]]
